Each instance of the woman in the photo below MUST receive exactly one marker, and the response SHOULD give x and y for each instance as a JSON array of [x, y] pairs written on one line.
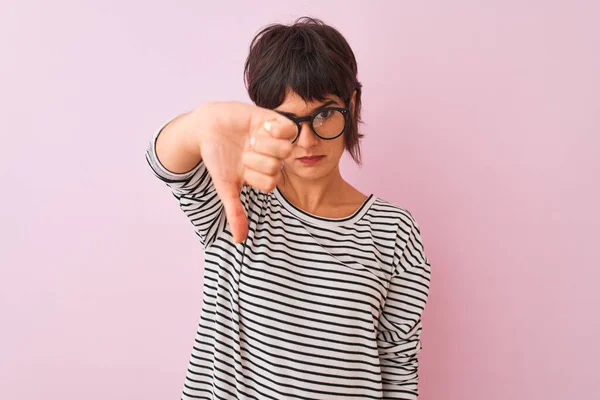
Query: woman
[[312, 290]]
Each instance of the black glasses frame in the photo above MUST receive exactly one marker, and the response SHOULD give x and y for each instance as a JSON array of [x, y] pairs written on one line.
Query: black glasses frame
[[311, 118]]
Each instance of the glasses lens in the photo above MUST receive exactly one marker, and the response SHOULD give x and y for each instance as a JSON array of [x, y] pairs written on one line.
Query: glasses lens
[[329, 123]]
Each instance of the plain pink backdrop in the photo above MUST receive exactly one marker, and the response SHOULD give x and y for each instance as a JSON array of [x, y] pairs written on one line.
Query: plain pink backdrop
[[482, 120]]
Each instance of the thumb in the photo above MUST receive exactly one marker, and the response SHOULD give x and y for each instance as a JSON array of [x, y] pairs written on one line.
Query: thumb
[[229, 193]]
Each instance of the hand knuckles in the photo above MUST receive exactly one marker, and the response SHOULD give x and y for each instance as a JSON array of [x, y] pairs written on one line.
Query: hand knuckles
[[246, 158], [287, 149], [273, 166]]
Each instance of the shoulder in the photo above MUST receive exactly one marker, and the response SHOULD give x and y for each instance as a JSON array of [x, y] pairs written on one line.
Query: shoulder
[[404, 233], [393, 213]]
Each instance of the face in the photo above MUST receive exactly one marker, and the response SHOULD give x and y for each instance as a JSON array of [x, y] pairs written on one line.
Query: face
[[312, 157]]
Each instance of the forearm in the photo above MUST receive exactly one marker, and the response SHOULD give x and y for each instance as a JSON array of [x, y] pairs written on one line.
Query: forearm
[[399, 369], [177, 145]]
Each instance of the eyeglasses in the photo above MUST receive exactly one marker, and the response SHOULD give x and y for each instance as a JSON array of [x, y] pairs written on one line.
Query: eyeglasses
[[327, 123]]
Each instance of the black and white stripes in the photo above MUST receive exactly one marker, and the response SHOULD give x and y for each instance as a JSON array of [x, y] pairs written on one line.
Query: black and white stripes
[[311, 308]]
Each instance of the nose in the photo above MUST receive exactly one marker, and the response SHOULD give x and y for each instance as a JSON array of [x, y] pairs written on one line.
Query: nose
[[306, 138]]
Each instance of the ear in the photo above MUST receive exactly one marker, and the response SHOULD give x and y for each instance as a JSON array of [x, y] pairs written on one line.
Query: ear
[[353, 100]]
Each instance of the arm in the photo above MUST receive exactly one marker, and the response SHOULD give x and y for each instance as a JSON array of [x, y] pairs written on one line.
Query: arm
[[215, 138], [177, 146], [400, 322], [174, 157]]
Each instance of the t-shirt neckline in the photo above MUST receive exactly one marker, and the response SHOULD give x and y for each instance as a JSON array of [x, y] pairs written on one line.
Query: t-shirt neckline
[[324, 221]]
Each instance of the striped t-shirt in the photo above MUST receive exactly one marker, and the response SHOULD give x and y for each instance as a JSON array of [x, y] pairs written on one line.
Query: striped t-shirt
[[308, 307]]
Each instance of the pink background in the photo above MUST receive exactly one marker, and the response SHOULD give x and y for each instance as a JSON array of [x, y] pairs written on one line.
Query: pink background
[[484, 121]]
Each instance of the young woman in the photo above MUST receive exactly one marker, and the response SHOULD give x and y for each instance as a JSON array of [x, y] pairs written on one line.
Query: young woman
[[312, 290]]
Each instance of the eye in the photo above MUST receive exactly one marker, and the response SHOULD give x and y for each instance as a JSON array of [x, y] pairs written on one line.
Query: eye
[[325, 114]]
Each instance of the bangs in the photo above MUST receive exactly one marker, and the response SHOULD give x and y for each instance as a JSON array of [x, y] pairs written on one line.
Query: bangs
[[296, 60]]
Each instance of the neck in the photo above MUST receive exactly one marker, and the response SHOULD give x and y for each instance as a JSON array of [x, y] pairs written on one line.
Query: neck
[[313, 194]]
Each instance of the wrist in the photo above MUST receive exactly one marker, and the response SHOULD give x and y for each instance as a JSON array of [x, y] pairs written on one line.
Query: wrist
[[198, 125]]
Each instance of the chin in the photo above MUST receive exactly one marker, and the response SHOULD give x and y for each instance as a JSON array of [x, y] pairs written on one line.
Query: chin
[[310, 174]]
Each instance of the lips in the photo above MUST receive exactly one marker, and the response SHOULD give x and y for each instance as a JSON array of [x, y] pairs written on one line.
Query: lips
[[309, 158]]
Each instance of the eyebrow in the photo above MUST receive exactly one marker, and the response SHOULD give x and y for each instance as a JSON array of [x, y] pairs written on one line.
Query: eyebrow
[[327, 103]]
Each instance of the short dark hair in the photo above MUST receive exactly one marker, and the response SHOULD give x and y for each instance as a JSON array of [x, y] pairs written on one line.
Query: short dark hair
[[309, 58]]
